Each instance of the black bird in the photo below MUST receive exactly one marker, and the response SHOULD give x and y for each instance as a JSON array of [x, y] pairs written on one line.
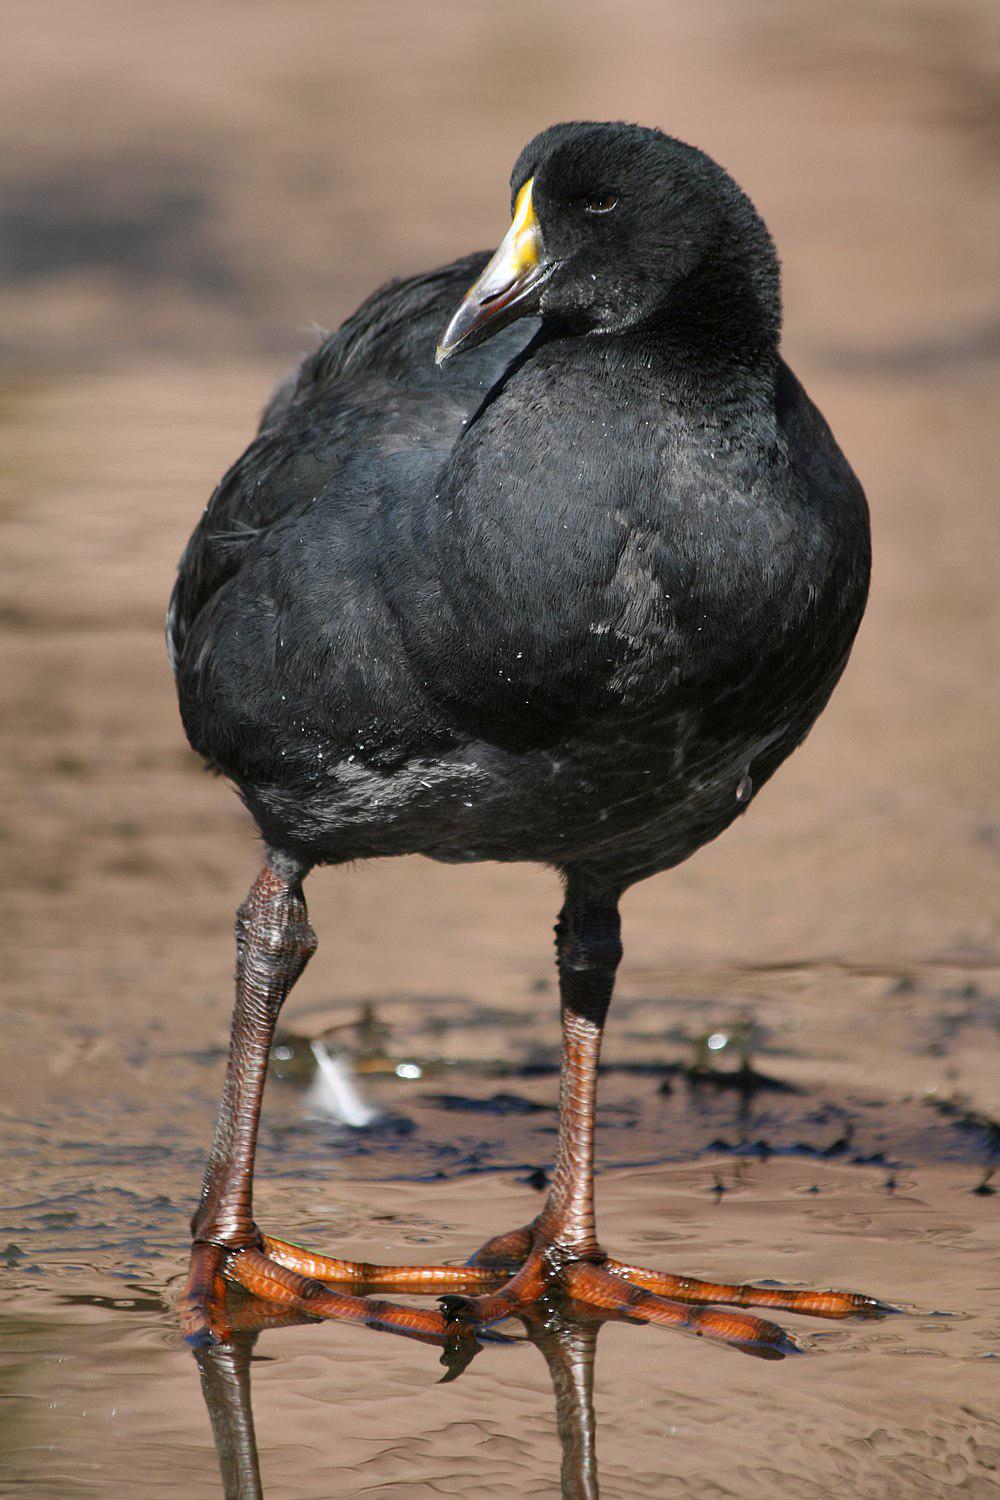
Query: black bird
[[570, 597]]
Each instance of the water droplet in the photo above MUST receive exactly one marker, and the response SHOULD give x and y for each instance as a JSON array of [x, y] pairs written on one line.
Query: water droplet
[[717, 1041], [744, 788]]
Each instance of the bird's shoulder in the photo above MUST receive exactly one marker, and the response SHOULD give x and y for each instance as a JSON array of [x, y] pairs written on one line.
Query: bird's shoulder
[[367, 394], [391, 334]]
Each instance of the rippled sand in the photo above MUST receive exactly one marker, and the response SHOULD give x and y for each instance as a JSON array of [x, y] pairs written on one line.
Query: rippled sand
[[847, 925]]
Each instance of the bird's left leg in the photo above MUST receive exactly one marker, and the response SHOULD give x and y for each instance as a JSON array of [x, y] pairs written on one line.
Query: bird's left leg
[[588, 950], [563, 1251], [560, 1250]]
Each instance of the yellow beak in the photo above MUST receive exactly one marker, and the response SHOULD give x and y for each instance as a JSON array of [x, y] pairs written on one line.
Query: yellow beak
[[502, 291]]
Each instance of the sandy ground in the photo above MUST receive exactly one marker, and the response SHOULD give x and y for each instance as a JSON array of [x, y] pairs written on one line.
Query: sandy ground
[[188, 191]]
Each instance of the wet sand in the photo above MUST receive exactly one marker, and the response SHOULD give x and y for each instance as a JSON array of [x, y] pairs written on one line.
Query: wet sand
[[849, 919]]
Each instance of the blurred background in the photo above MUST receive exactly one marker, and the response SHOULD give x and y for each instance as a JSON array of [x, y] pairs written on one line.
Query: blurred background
[[187, 193]]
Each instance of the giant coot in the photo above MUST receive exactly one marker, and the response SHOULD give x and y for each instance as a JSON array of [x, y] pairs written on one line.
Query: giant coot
[[569, 590]]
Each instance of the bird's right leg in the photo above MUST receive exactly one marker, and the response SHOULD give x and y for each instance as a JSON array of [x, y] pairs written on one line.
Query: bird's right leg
[[274, 942]]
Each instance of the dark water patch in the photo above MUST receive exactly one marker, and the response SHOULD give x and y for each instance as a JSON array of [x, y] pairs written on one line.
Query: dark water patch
[[496, 1104], [745, 1080], [143, 1300], [961, 1116]]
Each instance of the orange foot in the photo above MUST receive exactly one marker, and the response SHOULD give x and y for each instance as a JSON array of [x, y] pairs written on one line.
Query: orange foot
[[511, 1273]]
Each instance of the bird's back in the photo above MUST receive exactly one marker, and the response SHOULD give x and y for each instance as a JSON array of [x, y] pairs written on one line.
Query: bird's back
[[369, 387]]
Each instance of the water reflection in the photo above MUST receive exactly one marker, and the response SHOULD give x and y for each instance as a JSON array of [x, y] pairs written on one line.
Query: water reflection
[[225, 1382], [569, 1349], [565, 1336]]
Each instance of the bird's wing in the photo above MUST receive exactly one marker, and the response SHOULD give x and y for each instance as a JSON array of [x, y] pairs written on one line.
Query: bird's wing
[[319, 418]]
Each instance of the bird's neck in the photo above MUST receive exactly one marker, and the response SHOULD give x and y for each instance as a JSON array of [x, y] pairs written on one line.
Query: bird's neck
[[706, 381], [716, 333]]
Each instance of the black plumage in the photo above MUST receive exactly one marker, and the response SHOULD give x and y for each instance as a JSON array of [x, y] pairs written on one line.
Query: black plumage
[[556, 601], [571, 598]]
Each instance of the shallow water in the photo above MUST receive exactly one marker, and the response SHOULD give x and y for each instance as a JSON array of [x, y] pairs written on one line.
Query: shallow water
[[98, 1388], [187, 190], [812, 1187]]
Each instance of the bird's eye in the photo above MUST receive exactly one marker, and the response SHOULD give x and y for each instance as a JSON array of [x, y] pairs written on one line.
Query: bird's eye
[[602, 205]]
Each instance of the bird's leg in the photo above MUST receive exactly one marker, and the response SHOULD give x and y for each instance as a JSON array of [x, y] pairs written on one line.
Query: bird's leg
[[559, 1250], [563, 1252], [274, 942], [588, 950]]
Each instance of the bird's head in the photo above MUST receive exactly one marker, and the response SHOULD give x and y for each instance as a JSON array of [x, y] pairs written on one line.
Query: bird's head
[[619, 228]]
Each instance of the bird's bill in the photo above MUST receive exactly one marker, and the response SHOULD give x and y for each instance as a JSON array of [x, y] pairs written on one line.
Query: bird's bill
[[504, 290]]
